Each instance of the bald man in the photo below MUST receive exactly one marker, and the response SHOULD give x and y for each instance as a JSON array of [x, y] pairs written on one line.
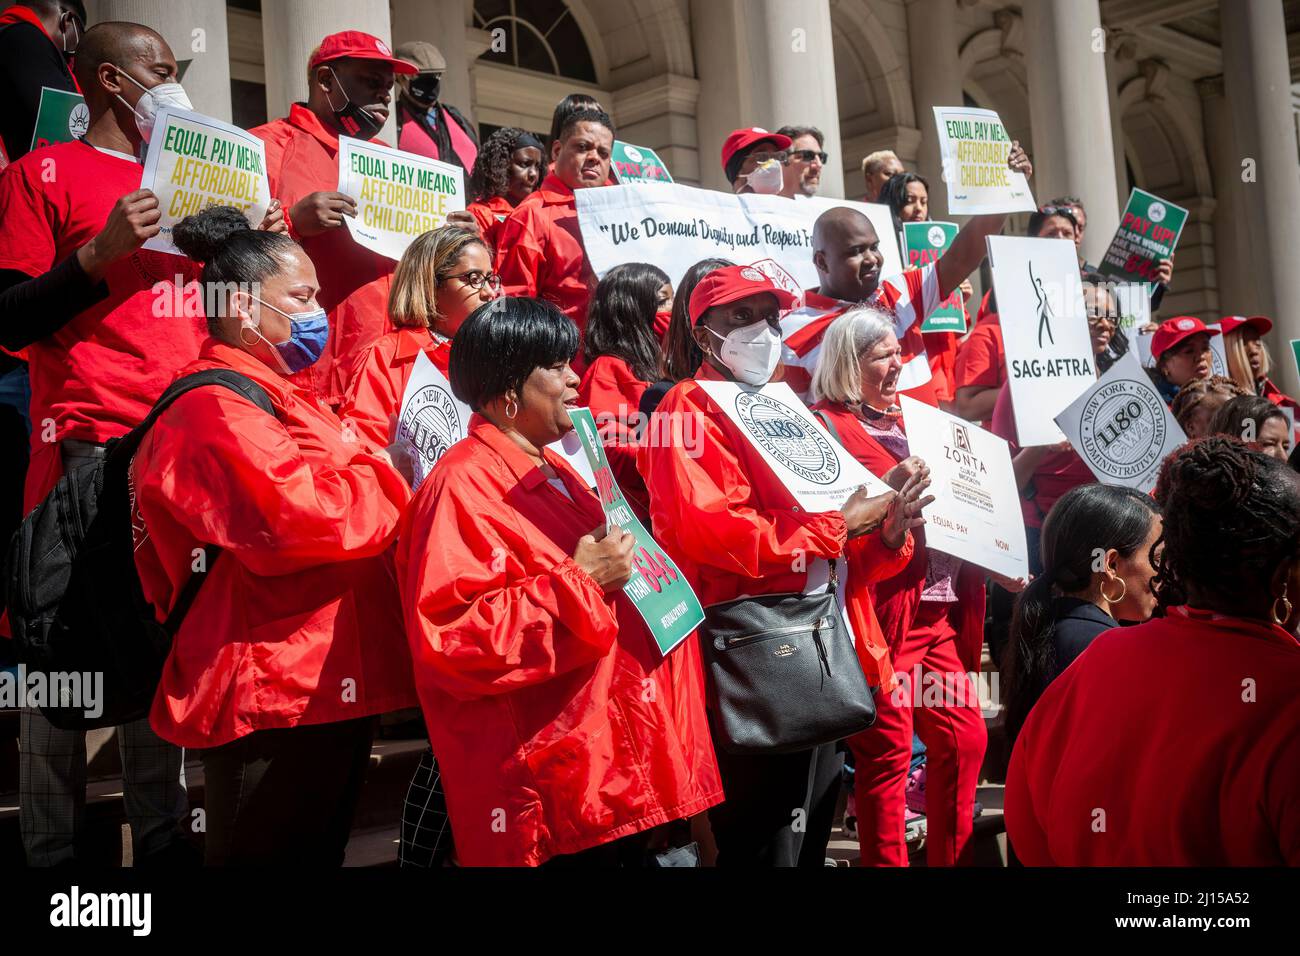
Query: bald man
[[77, 293], [847, 256]]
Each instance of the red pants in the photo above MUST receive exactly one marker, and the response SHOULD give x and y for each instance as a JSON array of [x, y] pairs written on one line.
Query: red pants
[[947, 718]]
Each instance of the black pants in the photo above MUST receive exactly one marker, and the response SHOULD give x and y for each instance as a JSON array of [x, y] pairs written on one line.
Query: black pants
[[285, 796], [779, 808]]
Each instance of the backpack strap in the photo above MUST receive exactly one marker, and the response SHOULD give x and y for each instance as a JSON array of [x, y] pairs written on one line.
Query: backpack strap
[[830, 427]]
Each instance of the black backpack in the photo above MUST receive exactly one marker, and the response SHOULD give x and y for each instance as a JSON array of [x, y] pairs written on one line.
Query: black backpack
[[75, 602]]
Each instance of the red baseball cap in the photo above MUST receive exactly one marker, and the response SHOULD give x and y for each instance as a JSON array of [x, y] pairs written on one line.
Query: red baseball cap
[[1261, 324], [745, 138], [358, 46], [1172, 331], [731, 284]]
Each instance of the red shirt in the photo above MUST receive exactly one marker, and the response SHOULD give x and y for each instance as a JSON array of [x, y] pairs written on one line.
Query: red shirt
[[490, 215], [302, 157], [557, 723], [98, 376], [1182, 731], [981, 359], [613, 393], [299, 622], [379, 378], [1058, 473], [540, 252]]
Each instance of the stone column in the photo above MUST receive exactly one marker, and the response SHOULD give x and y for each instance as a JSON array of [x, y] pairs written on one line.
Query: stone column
[[196, 32], [936, 81], [1257, 84], [1069, 108], [1233, 272]]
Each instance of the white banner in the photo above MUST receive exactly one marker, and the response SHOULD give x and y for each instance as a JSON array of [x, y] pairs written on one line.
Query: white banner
[[1218, 353], [1044, 330], [194, 161], [675, 226], [1121, 427], [432, 419], [974, 145], [976, 513], [399, 195], [800, 452]]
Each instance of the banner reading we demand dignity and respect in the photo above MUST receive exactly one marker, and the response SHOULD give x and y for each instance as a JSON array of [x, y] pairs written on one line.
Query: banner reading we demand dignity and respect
[[675, 226]]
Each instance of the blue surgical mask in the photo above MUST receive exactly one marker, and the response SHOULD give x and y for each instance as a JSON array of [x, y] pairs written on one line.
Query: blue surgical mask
[[308, 333]]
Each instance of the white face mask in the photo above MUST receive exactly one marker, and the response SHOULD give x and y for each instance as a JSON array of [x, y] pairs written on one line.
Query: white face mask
[[155, 98], [751, 352], [767, 178]]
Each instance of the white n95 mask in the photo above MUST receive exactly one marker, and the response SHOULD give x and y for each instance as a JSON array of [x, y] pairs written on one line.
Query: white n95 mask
[[751, 352], [767, 178], [154, 98]]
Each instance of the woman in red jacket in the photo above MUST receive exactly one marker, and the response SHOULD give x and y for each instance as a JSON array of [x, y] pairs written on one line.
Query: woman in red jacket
[[1248, 360], [932, 615], [295, 639], [443, 276], [1173, 743], [558, 726], [506, 172], [621, 349], [735, 529]]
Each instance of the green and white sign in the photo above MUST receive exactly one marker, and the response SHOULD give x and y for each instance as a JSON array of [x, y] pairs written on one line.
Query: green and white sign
[[923, 244], [637, 164], [1147, 233], [658, 590], [61, 117]]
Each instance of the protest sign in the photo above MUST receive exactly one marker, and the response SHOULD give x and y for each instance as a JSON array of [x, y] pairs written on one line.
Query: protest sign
[[1133, 305], [1044, 331], [1218, 353], [399, 195], [637, 164], [1295, 354], [1143, 342], [802, 455], [675, 226], [1148, 232], [976, 513], [61, 117], [195, 161], [658, 589], [924, 243], [1121, 427], [974, 146]]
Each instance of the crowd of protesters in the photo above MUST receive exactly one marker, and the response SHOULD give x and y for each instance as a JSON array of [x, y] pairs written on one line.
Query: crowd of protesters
[[1150, 661]]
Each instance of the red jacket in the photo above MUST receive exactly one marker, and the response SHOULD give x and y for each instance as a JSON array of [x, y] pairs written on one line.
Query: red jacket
[[540, 253], [557, 724], [302, 157], [613, 393], [1058, 472], [898, 598], [1276, 395], [1172, 743], [490, 216], [299, 622], [379, 378], [734, 529]]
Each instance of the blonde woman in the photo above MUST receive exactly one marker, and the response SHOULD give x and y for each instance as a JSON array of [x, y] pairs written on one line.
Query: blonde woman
[[1248, 359], [443, 276]]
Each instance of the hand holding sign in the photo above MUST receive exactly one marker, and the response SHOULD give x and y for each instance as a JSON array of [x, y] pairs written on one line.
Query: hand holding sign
[[321, 211], [905, 509], [609, 559], [133, 220]]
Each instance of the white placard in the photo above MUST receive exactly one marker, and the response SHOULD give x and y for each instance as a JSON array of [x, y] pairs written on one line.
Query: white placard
[[194, 161], [1133, 302], [1044, 330], [399, 195], [976, 512], [1218, 352], [1121, 427], [1143, 342], [801, 453], [675, 226], [974, 146]]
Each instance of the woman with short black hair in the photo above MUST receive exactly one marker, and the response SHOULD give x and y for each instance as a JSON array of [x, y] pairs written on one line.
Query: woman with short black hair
[[531, 663], [1259, 423], [507, 171]]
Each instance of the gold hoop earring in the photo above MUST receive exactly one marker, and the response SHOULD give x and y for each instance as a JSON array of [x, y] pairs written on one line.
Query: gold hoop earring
[[1122, 594], [512, 409], [1286, 609]]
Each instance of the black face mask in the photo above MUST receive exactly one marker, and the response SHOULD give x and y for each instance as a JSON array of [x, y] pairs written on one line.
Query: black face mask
[[354, 120], [425, 87]]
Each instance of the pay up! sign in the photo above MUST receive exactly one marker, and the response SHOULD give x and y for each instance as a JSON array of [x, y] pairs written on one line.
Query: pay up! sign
[[1147, 233], [924, 243]]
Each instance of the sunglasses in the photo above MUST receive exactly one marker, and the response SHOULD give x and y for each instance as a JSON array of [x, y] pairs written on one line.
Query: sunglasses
[[808, 155], [1057, 211]]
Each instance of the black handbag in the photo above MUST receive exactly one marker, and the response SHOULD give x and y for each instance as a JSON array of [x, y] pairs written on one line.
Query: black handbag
[[784, 674]]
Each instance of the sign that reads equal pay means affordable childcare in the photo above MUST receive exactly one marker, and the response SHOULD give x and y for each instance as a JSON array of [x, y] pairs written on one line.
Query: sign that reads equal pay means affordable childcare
[[1147, 233], [974, 146], [1044, 331], [657, 589], [195, 161], [675, 226], [923, 244], [399, 195], [637, 164], [1121, 427], [976, 513], [812, 465]]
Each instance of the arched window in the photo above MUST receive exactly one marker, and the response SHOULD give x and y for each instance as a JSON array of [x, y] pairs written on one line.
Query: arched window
[[538, 35]]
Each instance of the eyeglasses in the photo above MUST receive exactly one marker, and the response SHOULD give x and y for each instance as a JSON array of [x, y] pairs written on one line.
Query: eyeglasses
[[808, 155], [475, 279], [1095, 321]]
